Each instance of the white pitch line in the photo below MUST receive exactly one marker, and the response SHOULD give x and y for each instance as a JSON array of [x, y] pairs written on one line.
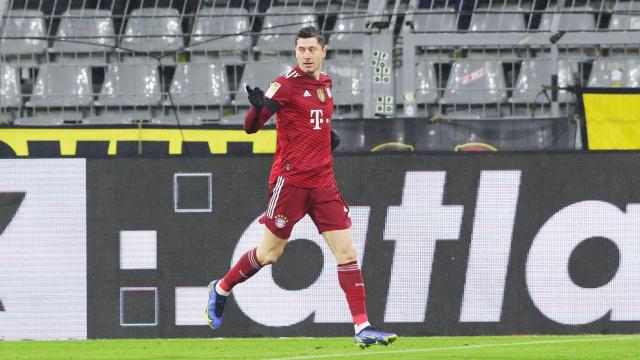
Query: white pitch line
[[542, 342]]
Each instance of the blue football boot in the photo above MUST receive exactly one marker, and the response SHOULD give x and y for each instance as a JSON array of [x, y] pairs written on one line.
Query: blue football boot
[[371, 336], [215, 306]]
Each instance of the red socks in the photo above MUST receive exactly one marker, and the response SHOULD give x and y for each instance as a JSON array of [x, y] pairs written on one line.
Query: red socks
[[349, 277], [245, 268], [351, 282]]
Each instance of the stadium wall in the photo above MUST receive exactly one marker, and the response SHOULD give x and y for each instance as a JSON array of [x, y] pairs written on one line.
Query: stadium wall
[[450, 244]]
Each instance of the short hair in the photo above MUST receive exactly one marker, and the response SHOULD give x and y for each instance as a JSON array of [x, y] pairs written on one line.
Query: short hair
[[310, 32]]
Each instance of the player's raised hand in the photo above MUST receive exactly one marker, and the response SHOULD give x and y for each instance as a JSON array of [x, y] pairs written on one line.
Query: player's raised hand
[[256, 96]]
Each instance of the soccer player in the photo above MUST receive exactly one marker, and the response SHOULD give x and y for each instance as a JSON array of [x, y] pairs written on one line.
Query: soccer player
[[301, 182]]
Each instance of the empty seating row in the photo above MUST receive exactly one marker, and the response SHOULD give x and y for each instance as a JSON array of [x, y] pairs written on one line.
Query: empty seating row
[[201, 83], [482, 81], [159, 30], [507, 17]]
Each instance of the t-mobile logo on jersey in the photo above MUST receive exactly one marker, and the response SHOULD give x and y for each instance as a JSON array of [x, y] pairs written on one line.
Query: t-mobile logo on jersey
[[316, 119]]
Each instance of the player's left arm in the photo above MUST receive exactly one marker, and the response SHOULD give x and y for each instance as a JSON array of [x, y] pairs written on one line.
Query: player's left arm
[[261, 110]]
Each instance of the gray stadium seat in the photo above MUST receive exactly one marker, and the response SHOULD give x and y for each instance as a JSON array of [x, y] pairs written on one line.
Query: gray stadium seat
[[211, 22], [475, 82], [622, 19], [276, 35], [579, 18], [346, 63], [427, 84], [62, 85], [506, 18], [202, 83], [23, 33], [133, 83], [348, 32], [61, 94], [615, 72], [441, 20], [261, 74], [90, 31], [153, 30], [437, 20], [346, 75], [536, 73], [10, 93]]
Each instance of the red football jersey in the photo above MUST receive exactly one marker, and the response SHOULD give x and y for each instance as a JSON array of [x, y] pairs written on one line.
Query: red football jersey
[[303, 154]]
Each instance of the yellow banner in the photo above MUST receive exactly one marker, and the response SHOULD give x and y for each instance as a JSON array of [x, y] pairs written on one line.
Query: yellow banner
[[263, 141], [613, 121]]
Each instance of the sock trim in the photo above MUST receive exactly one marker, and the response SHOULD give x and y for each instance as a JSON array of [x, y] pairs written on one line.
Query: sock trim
[[220, 290], [361, 326]]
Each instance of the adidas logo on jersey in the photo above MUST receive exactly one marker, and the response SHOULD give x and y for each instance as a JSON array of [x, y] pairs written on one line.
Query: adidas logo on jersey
[[307, 93]]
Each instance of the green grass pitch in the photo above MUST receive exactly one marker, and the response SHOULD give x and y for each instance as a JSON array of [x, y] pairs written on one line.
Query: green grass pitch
[[584, 347]]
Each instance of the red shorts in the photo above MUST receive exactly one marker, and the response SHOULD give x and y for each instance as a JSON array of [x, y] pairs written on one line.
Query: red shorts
[[288, 204]]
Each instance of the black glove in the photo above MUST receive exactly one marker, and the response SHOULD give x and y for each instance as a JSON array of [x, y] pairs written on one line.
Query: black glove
[[256, 96], [335, 140]]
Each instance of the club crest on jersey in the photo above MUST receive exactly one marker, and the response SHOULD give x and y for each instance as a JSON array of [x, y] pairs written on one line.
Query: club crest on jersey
[[281, 221], [272, 89], [321, 94]]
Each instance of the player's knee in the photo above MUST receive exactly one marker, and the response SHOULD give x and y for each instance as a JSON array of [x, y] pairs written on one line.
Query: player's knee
[[346, 254], [270, 257]]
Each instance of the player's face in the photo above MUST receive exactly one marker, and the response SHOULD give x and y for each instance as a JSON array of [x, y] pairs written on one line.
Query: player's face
[[310, 55]]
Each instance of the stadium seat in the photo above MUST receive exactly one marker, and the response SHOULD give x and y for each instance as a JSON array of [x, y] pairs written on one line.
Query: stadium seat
[[203, 83], [346, 63], [475, 89], [435, 20], [427, 84], [153, 30], [61, 94], [23, 33], [579, 18], [276, 34], [529, 97], [535, 74], [507, 18], [84, 31], [213, 28], [626, 16], [62, 85], [615, 72], [198, 91], [10, 93], [262, 74], [129, 93], [348, 32], [346, 75], [132, 83], [427, 91], [475, 82]]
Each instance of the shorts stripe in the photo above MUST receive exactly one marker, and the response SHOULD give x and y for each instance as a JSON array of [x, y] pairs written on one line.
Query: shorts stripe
[[274, 197]]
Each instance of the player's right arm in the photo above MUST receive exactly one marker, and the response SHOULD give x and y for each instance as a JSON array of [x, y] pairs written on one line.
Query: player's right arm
[[263, 106]]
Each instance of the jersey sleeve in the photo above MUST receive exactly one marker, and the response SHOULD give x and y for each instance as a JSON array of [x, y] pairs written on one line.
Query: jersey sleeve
[[279, 91]]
